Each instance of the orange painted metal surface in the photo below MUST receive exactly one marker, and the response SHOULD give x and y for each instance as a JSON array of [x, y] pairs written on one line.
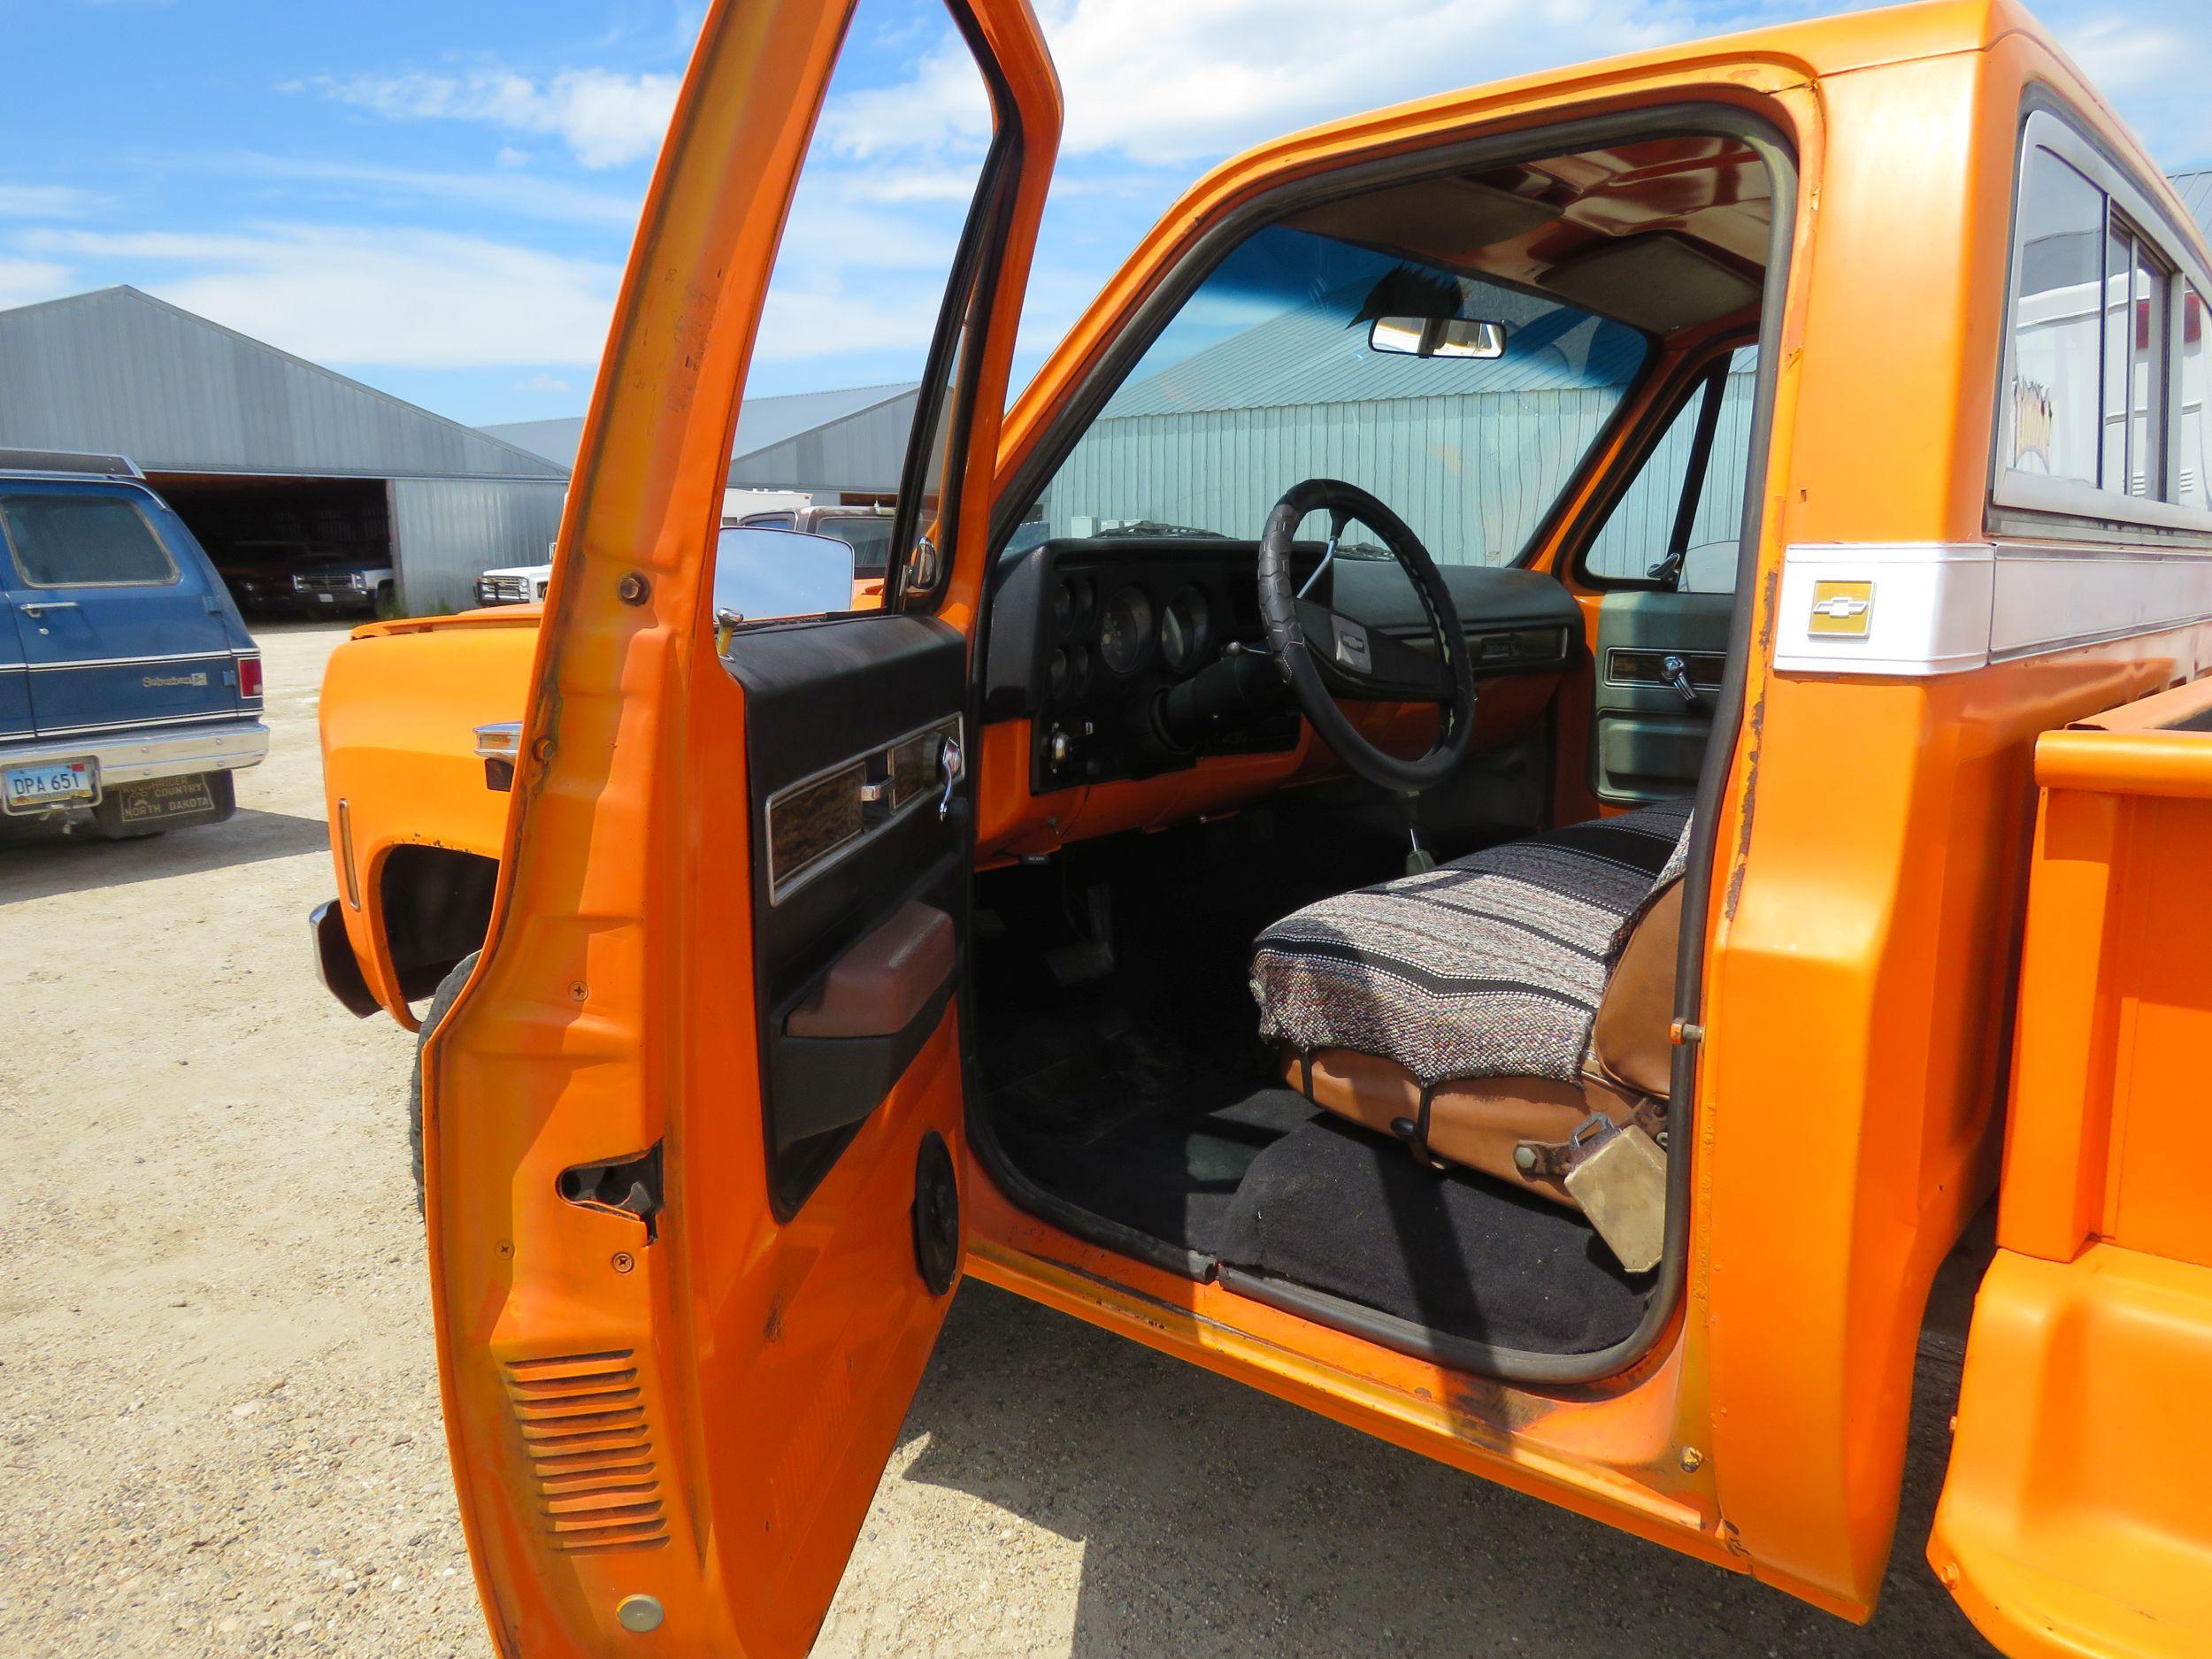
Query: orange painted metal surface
[[2073, 1524], [401, 701], [2073, 1520], [400, 705], [1628, 1453], [1874, 853], [766, 1366]]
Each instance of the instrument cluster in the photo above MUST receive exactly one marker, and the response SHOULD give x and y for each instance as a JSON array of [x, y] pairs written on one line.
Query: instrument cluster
[[1127, 633], [1114, 628]]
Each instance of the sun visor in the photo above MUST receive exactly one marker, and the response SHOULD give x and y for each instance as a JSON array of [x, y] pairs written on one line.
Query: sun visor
[[1445, 218], [1659, 282]]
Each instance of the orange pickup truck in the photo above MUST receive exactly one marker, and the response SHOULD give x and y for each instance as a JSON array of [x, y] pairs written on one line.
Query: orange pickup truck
[[1569, 727]]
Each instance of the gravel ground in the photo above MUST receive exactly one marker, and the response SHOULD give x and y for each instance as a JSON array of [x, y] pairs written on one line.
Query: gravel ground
[[219, 1399]]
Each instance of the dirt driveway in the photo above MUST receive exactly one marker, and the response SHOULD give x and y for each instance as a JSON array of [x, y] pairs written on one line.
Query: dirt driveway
[[220, 1409]]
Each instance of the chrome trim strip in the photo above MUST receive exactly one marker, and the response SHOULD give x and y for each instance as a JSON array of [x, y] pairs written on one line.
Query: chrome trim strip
[[1612, 651], [224, 745], [780, 886], [224, 652], [203, 718]]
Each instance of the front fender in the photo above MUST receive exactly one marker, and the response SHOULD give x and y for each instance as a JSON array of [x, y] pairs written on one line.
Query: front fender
[[401, 703]]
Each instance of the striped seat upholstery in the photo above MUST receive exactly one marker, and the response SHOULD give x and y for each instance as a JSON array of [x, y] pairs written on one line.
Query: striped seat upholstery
[[1491, 966]]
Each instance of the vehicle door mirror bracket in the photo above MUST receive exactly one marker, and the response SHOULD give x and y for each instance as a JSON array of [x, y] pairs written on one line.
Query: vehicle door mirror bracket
[[923, 567]]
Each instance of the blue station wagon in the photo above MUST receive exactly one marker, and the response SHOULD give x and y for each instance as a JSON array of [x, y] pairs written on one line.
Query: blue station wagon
[[129, 688]]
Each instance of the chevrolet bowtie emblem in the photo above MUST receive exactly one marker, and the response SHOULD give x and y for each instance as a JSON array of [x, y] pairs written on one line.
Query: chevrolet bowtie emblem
[[1842, 607]]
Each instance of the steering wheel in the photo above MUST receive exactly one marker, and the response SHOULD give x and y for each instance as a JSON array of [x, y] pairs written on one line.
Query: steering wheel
[[1325, 655]]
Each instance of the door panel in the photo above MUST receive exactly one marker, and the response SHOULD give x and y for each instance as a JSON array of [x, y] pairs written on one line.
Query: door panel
[[1646, 738], [844, 723], [693, 1131]]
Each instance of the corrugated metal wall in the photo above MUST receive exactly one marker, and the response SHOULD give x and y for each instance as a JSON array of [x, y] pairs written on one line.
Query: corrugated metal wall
[[1472, 476], [1635, 537], [447, 531]]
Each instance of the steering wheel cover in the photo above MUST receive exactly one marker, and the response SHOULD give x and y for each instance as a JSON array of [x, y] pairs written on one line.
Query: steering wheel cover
[[1293, 653]]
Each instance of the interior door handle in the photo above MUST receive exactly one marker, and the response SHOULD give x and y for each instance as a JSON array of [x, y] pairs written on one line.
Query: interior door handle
[[1678, 673], [952, 765]]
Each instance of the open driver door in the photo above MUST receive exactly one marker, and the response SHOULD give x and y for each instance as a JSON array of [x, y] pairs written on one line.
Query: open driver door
[[693, 1129]]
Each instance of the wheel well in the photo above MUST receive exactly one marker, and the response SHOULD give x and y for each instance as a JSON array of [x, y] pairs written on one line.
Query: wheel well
[[436, 904]]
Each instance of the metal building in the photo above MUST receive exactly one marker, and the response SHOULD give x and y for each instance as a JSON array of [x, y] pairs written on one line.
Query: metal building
[[250, 444], [842, 445]]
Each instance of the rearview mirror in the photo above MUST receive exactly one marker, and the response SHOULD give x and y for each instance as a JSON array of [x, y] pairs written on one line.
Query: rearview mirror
[[760, 572], [1437, 337]]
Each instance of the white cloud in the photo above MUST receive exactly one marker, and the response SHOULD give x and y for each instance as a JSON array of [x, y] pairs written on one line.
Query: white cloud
[[43, 201], [862, 265], [27, 281], [411, 298], [604, 117], [1167, 81], [2120, 55], [545, 383], [504, 190]]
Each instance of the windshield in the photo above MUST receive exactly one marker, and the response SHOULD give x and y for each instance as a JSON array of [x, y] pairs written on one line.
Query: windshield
[[1266, 377]]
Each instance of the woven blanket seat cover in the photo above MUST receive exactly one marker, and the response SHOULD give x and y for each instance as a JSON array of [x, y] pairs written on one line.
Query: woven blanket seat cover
[[1490, 966]]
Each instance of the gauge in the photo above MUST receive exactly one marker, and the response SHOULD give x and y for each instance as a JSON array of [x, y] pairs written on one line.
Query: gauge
[[1071, 673], [1124, 633], [1071, 608], [1185, 630]]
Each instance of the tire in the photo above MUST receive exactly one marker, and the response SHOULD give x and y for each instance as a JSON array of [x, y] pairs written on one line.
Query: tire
[[440, 1000], [386, 604]]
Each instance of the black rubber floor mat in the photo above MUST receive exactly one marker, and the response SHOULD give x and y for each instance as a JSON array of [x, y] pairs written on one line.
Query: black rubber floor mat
[[1339, 1209], [1170, 1169]]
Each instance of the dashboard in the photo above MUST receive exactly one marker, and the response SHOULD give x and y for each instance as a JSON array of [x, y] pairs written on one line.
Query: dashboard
[[1090, 638]]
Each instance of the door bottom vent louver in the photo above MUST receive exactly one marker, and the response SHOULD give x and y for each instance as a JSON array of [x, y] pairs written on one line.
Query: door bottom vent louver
[[582, 1420]]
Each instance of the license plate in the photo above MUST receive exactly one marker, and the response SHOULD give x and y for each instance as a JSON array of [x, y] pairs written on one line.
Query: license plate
[[56, 783], [164, 797], [329, 599]]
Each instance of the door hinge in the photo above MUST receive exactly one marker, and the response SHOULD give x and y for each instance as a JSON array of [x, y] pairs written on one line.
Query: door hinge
[[624, 1186]]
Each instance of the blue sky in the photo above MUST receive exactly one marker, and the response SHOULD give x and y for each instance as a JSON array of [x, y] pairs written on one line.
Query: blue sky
[[439, 198]]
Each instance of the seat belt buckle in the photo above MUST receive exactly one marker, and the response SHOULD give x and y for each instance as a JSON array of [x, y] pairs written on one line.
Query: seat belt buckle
[[1618, 1176]]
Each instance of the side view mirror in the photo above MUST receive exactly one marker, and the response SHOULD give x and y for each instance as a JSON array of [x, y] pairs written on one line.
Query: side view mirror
[[760, 572], [1437, 337]]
